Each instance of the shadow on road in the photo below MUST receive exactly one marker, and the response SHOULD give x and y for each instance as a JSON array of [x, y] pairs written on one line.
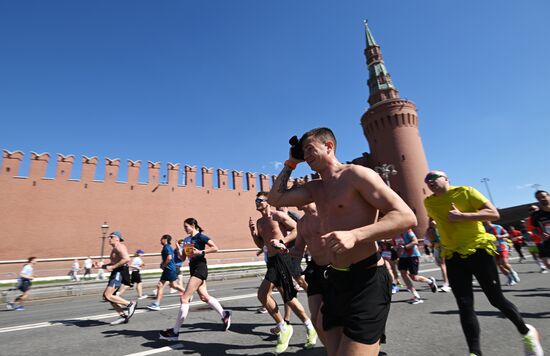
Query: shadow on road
[[497, 313], [209, 348], [80, 323]]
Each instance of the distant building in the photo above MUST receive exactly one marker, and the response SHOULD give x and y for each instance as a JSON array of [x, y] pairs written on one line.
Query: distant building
[[391, 128]]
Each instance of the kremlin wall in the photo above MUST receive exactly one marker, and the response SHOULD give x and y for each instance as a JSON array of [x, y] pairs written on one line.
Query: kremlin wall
[[61, 217]]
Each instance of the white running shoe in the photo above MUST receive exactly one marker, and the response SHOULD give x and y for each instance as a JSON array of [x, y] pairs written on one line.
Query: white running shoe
[[415, 300], [433, 285], [143, 297], [531, 342], [515, 276], [123, 319], [153, 306], [445, 288]]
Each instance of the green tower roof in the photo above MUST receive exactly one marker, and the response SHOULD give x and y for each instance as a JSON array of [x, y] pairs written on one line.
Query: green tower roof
[[370, 38]]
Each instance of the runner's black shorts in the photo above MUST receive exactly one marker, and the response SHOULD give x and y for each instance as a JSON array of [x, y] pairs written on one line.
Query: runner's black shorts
[[410, 264], [295, 266], [358, 300], [135, 277], [544, 248], [315, 279], [198, 268], [24, 284], [279, 273]]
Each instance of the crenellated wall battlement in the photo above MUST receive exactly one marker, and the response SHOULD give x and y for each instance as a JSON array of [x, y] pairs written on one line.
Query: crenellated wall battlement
[[231, 180], [61, 216]]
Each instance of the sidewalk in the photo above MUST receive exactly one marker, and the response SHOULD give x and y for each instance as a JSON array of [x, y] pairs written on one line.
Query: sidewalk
[[65, 288]]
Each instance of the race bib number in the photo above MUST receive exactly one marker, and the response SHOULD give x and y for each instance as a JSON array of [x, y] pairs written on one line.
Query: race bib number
[[188, 249]]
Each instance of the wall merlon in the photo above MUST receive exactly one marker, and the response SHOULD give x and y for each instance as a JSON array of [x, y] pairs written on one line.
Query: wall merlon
[[222, 179], [64, 166], [264, 182], [133, 171], [89, 165], [207, 177], [111, 169], [173, 172], [11, 162], [39, 164], [237, 180], [190, 175], [251, 181], [154, 171]]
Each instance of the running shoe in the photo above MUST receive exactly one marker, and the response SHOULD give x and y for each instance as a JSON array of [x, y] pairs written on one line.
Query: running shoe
[[445, 288], [531, 342], [543, 270], [512, 283], [143, 297], [19, 308], [131, 308], [415, 300], [261, 310], [123, 319], [153, 306], [169, 335], [311, 339], [394, 289], [283, 339], [433, 285], [226, 319], [10, 306], [275, 330], [515, 276]]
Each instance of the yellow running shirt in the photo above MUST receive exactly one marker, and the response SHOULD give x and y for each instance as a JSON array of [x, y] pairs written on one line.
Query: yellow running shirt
[[463, 237]]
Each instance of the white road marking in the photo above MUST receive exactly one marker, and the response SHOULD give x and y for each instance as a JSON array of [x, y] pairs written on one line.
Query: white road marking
[[158, 351], [111, 315]]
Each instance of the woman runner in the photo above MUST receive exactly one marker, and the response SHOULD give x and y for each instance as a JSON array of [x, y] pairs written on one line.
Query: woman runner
[[196, 246]]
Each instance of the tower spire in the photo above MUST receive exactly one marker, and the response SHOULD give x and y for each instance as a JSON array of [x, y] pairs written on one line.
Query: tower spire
[[380, 84]]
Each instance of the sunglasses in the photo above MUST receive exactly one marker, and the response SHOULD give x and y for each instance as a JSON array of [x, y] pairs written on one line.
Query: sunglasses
[[432, 177], [260, 200]]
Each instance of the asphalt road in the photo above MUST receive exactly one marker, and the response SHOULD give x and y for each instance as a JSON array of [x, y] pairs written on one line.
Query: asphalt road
[[80, 325]]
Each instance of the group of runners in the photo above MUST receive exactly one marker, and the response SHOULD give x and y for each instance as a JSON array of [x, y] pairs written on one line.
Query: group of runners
[[349, 287]]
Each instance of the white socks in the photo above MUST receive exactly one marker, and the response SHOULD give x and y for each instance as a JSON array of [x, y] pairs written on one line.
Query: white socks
[[308, 324], [182, 314], [214, 304], [282, 325]]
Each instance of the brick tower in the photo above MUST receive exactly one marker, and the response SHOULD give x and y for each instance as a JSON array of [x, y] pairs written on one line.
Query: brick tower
[[391, 128]]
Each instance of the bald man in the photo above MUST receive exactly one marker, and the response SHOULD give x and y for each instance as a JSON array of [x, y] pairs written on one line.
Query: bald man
[[469, 251]]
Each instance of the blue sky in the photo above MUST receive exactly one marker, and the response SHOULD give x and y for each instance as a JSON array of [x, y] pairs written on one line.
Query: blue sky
[[224, 84]]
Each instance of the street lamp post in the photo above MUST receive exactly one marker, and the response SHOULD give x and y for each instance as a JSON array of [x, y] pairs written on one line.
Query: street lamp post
[[104, 229], [385, 171], [486, 180]]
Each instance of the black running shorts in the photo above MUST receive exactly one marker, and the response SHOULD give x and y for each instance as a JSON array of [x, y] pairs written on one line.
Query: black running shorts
[[359, 301], [410, 264], [315, 279], [198, 268]]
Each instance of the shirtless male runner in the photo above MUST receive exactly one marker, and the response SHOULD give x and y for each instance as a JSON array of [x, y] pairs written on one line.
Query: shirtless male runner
[[309, 234], [278, 273], [348, 198], [120, 275]]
